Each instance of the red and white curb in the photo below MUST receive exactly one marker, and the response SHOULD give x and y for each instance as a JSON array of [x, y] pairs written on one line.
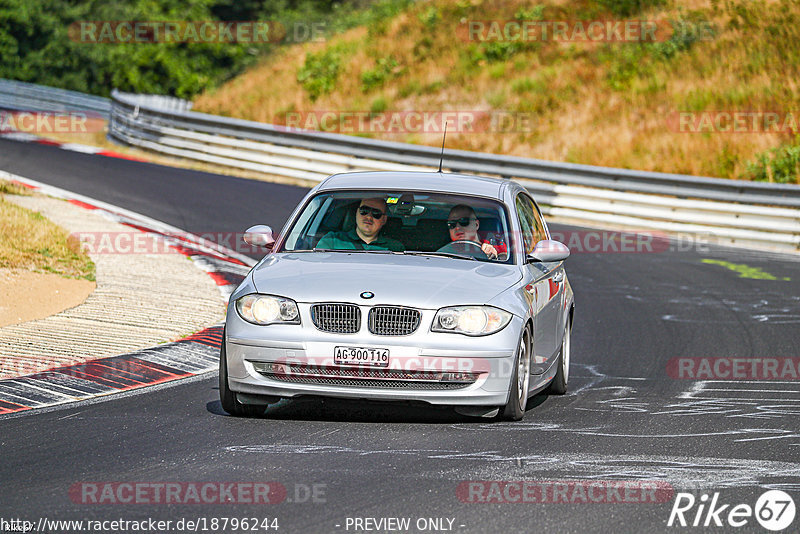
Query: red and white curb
[[26, 137], [190, 356]]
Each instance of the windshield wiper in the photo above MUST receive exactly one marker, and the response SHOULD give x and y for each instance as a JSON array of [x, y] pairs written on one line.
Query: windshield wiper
[[350, 251], [441, 254]]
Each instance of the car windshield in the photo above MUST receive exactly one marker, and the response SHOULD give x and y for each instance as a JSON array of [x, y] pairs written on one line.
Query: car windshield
[[403, 222]]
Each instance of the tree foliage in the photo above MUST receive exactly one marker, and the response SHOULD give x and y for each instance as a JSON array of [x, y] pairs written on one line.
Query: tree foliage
[[36, 46]]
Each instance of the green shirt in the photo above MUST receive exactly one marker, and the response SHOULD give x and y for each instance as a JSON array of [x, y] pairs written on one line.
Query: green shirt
[[349, 241]]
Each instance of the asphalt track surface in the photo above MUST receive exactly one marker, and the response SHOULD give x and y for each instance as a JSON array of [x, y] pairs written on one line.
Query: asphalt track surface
[[625, 418]]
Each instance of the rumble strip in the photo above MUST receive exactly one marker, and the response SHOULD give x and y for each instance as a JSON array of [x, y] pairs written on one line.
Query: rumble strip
[[190, 356]]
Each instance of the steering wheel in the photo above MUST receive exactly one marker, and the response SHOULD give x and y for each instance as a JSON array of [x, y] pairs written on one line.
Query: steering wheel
[[463, 246]]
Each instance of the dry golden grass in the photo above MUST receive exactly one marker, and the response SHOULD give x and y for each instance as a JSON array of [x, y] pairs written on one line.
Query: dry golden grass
[[31, 242], [12, 188], [97, 138], [580, 115]]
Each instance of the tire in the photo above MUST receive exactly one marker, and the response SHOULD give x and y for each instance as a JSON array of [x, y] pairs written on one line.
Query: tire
[[559, 384], [514, 410], [227, 397]]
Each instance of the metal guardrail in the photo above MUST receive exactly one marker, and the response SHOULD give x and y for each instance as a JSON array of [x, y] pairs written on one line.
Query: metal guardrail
[[731, 211], [30, 97], [161, 102], [24, 96], [460, 160]]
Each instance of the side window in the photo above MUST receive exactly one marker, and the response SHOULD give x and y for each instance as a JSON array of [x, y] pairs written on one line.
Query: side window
[[526, 223], [307, 224], [531, 224], [539, 224]]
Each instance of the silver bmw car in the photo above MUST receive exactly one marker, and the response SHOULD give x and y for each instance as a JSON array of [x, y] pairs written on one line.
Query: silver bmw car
[[403, 286]]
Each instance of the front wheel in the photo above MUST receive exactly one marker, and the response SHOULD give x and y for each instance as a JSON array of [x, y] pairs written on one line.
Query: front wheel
[[559, 384], [227, 397], [514, 410]]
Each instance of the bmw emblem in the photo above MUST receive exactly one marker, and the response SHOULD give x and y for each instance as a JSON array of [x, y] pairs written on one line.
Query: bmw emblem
[[367, 295]]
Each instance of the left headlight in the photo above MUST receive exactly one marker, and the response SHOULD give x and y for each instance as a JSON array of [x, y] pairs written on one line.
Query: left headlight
[[471, 320], [267, 309]]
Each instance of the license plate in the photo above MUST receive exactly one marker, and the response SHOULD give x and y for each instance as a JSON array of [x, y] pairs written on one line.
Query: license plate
[[371, 357]]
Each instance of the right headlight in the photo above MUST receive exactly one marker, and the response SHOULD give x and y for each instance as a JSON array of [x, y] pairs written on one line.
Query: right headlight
[[470, 320], [267, 309]]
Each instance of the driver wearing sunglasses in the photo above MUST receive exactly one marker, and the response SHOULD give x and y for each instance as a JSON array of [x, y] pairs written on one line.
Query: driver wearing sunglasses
[[371, 215], [463, 225]]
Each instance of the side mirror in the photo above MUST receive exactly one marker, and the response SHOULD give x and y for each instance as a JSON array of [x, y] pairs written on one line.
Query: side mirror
[[259, 236], [548, 251]]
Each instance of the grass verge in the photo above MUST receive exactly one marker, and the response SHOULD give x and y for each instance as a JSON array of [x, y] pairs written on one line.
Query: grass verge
[[32, 242]]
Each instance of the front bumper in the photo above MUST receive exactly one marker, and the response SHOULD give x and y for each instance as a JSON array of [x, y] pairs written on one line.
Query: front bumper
[[431, 365]]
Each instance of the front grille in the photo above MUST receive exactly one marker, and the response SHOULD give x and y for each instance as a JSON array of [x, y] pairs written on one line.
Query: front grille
[[393, 320], [336, 318], [362, 377], [369, 383]]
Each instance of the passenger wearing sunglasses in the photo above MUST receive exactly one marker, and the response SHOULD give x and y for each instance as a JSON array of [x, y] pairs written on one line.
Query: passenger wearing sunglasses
[[463, 225], [370, 217]]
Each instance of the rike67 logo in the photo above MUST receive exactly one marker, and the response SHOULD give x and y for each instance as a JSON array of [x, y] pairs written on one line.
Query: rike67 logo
[[774, 510]]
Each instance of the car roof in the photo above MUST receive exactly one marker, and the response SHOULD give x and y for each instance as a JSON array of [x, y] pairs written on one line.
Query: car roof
[[417, 181]]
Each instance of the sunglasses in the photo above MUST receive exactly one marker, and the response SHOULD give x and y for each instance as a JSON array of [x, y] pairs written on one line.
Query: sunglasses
[[366, 210], [463, 221]]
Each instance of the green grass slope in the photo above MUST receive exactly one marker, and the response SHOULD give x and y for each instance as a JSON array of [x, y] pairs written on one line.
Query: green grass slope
[[585, 101]]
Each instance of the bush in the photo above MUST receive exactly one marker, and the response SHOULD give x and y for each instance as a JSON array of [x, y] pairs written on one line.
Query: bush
[[626, 8], [385, 68], [633, 61], [528, 85], [626, 64], [686, 33], [494, 51], [781, 164], [532, 13], [37, 47], [411, 88], [379, 105], [320, 71], [430, 17], [35, 43]]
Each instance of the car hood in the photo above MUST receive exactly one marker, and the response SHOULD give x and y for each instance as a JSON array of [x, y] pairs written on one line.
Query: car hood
[[417, 281]]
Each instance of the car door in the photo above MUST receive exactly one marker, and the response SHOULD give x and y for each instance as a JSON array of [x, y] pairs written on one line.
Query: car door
[[544, 286], [557, 283]]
